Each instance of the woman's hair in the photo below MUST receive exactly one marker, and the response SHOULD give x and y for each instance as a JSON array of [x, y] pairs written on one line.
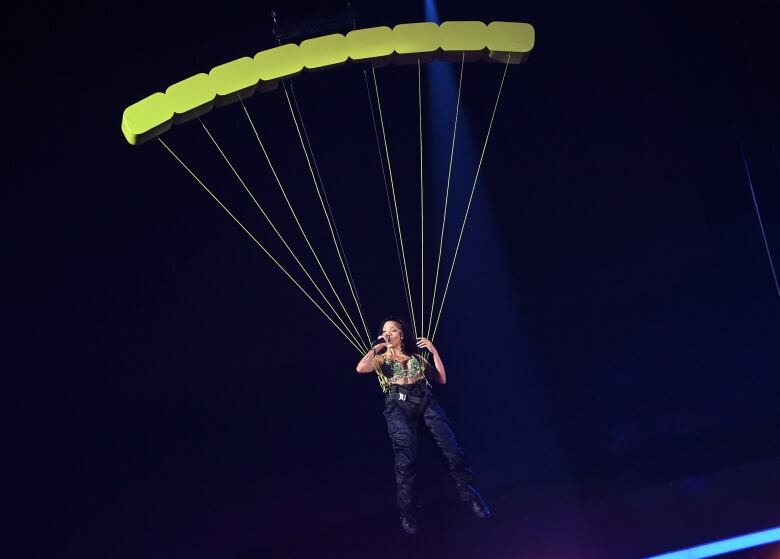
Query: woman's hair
[[408, 344]]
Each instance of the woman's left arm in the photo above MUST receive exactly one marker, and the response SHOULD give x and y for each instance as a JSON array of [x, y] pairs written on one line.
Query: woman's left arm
[[425, 343]]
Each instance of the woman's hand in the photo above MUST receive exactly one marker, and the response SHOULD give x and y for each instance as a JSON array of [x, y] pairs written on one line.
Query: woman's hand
[[426, 344], [438, 365], [379, 348]]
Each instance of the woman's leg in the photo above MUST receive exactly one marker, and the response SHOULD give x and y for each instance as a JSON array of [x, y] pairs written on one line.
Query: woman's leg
[[403, 433], [442, 432]]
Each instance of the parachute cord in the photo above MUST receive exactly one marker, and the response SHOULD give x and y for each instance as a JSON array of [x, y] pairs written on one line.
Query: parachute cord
[[387, 190], [281, 188], [331, 220], [758, 213], [271, 223], [384, 383], [422, 217], [422, 206], [447, 194], [258, 243], [729, 101], [314, 179], [471, 196], [395, 202], [743, 155]]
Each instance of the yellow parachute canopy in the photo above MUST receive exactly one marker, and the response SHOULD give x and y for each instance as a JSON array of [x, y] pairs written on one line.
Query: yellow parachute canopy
[[239, 79]]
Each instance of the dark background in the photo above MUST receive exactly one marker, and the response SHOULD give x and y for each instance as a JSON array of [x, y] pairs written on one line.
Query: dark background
[[612, 322]]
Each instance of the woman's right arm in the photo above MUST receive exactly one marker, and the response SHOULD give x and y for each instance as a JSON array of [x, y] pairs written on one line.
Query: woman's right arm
[[366, 365]]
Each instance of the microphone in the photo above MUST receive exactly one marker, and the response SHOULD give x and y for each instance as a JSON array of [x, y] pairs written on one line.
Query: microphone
[[379, 340]]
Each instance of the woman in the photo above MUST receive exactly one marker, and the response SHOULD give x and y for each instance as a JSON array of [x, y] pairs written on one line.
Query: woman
[[408, 402]]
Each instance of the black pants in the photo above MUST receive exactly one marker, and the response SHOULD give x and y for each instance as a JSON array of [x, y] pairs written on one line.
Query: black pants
[[403, 418]]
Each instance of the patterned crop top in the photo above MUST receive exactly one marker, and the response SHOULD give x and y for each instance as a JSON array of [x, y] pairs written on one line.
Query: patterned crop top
[[407, 372]]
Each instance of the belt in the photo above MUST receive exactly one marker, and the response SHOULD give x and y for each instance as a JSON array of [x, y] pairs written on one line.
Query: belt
[[398, 393]]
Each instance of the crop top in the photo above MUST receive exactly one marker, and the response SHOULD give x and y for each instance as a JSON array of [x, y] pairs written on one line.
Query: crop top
[[405, 372]]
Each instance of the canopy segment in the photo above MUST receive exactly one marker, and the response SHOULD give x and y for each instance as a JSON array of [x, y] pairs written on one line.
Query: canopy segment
[[499, 41]]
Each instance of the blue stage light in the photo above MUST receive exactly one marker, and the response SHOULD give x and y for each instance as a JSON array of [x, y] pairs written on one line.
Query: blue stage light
[[431, 11], [720, 547]]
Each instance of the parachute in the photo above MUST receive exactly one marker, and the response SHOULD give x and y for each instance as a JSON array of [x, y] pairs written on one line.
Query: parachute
[[240, 79], [506, 43]]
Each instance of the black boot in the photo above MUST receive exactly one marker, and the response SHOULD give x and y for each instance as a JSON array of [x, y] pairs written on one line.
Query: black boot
[[409, 522], [470, 496], [479, 508]]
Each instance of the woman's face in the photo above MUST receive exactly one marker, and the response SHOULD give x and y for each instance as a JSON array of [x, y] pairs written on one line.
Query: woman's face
[[393, 333]]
